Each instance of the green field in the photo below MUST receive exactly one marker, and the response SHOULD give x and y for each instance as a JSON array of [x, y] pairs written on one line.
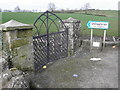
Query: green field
[[112, 17]]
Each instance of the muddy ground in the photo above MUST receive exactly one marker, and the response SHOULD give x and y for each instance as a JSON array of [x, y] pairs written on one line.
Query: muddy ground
[[89, 74]]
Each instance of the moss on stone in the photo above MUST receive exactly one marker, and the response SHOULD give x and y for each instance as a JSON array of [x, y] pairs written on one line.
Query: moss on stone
[[24, 69], [24, 33], [19, 42], [14, 52], [13, 34]]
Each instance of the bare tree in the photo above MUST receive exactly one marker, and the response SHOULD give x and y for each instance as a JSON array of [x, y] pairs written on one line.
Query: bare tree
[[86, 7], [81, 8], [17, 9], [51, 7]]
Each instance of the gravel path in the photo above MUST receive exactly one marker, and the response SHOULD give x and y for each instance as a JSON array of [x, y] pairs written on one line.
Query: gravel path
[[79, 72]]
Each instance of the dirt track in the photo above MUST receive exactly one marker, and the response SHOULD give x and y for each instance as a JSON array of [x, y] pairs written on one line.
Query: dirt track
[[91, 74]]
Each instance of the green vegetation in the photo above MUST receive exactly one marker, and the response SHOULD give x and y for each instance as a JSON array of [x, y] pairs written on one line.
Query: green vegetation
[[110, 16]]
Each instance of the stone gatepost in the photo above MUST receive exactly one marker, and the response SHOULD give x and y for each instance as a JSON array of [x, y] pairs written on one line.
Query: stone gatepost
[[17, 44], [73, 26]]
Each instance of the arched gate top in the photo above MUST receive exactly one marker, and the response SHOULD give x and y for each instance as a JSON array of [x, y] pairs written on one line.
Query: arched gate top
[[47, 19]]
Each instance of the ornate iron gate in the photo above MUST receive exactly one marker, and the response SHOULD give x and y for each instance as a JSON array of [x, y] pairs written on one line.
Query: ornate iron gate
[[49, 46]]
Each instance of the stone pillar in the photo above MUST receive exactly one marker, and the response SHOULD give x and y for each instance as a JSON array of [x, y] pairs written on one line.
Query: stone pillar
[[73, 34], [17, 44]]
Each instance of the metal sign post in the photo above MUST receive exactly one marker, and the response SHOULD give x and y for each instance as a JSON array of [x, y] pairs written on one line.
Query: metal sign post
[[91, 38], [104, 37]]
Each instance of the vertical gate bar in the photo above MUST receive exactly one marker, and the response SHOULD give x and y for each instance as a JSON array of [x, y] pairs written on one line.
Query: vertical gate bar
[[47, 37]]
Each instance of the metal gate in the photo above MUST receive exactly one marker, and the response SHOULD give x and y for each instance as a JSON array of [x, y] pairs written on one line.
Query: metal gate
[[49, 46]]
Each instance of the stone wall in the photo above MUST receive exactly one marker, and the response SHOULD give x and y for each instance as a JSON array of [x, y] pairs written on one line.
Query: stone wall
[[14, 79], [17, 44], [73, 26]]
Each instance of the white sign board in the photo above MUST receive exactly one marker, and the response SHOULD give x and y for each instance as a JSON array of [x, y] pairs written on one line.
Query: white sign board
[[96, 44], [98, 25]]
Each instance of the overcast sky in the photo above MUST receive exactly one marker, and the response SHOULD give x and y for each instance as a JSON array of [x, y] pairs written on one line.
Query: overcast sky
[[60, 4]]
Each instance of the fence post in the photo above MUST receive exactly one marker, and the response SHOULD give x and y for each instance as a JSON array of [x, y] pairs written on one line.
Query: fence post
[[17, 44]]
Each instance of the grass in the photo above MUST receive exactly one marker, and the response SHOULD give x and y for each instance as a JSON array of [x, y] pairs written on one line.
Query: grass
[[23, 17], [30, 17]]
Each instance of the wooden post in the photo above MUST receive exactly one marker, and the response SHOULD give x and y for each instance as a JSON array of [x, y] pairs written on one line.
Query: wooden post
[[104, 37]]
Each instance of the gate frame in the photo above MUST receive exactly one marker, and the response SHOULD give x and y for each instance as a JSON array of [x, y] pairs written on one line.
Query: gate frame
[[46, 22]]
